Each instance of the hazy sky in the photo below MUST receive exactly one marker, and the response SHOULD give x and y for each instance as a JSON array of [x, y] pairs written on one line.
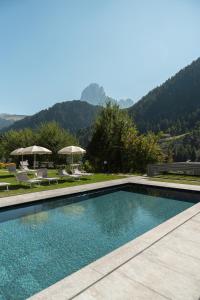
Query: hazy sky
[[51, 49]]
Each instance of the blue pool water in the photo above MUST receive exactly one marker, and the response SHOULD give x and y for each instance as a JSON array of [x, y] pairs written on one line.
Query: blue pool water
[[43, 243]]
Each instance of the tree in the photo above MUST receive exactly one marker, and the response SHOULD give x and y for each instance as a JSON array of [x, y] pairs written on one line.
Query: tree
[[141, 150], [116, 140], [107, 140], [13, 139], [50, 135]]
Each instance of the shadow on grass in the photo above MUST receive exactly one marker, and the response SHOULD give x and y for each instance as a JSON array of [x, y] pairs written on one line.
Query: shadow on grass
[[70, 180], [18, 187], [7, 176]]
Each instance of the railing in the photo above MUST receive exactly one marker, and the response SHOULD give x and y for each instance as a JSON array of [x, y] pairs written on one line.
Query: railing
[[190, 168]]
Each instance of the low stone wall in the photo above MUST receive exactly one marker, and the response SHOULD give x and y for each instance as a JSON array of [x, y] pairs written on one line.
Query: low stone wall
[[190, 168]]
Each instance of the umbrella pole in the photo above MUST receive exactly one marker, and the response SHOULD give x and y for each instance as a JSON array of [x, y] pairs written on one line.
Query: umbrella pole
[[72, 169], [34, 161]]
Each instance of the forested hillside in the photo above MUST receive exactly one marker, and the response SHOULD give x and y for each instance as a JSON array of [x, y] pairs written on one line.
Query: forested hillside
[[71, 115], [4, 123], [174, 106]]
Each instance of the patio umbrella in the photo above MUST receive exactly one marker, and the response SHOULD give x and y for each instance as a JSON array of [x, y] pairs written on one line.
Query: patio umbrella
[[71, 150], [33, 150], [18, 151]]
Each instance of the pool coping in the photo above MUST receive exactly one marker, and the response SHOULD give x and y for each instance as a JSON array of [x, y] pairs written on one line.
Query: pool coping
[[73, 285], [10, 201]]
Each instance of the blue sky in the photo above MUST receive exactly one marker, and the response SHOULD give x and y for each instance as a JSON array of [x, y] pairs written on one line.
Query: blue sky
[[51, 49]]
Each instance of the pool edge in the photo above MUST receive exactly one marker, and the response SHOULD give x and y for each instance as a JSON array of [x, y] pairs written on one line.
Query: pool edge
[[10, 201]]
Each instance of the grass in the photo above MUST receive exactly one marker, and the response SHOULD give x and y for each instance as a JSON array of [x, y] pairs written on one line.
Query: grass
[[16, 189], [176, 178]]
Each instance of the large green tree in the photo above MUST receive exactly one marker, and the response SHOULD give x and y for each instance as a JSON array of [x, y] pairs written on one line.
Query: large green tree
[[107, 140], [116, 140], [14, 139], [52, 136], [141, 150]]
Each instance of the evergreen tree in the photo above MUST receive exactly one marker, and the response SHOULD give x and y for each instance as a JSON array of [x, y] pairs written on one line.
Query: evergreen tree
[[116, 140]]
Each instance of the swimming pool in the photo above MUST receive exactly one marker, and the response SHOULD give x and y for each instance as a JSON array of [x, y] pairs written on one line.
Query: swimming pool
[[44, 242]]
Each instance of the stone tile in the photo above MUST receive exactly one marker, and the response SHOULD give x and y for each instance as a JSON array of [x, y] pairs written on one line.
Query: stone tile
[[180, 244], [69, 286], [178, 262], [161, 279], [118, 256], [118, 286], [196, 218], [190, 231]]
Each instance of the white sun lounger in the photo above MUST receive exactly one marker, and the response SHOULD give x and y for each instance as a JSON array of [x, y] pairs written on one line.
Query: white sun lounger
[[65, 174], [42, 174], [23, 178], [6, 184], [78, 172]]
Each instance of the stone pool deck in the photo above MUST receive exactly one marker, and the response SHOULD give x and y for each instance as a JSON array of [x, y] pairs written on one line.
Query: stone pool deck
[[163, 263]]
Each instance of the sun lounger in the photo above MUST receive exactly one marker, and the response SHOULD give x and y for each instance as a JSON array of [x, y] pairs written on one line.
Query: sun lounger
[[6, 184], [12, 169], [80, 173], [43, 175], [25, 168], [24, 163], [64, 174], [23, 178]]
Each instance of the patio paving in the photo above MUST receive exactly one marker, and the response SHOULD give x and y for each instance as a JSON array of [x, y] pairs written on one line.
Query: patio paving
[[169, 269]]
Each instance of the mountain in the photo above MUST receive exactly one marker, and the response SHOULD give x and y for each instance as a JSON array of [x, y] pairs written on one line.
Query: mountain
[[174, 106], [95, 94], [4, 123], [125, 103], [72, 115], [8, 119]]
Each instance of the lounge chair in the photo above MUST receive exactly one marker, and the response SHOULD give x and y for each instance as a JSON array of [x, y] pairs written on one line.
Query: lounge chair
[[43, 175], [64, 174], [24, 163], [23, 178], [12, 169], [6, 184], [80, 173], [24, 167]]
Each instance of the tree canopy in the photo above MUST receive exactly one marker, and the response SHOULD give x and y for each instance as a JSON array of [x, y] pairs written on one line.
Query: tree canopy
[[49, 135], [174, 106], [117, 145]]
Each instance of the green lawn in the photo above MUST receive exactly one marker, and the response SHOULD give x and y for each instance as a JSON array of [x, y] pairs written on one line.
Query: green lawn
[[17, 189], [176, 178]]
